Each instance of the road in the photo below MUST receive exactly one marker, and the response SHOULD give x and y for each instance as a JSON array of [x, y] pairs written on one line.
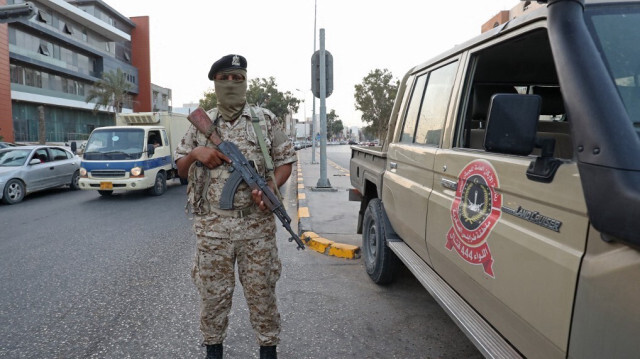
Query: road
[[89, 277]]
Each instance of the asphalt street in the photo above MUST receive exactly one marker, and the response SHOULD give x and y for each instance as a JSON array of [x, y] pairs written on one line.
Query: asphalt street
[[88, 277]]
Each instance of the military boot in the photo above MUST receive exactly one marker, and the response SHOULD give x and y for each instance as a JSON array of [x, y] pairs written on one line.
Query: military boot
[[268, 352], [214, 351]]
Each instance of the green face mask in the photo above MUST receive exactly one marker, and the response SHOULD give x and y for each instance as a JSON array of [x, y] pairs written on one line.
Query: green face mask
[[232, 96]]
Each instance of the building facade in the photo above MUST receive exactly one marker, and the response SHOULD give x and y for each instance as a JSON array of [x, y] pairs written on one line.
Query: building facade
[[52, 60], [506, 15], [160, 98]]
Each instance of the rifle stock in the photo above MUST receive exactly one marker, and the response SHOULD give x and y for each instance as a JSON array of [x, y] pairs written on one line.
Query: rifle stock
[[239, 162]]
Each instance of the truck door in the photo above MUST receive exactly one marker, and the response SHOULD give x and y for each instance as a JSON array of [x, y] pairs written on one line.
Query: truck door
[[408, 180], [511, 246]]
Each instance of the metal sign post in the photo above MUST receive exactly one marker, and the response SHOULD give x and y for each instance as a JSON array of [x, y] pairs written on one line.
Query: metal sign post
[[323, 182]]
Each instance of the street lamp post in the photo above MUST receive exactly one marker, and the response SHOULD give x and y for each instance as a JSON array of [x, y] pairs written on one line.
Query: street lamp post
[[304, 114]]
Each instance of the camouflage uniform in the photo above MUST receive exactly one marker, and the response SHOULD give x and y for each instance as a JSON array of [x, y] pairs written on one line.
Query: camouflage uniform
[[224, 238]]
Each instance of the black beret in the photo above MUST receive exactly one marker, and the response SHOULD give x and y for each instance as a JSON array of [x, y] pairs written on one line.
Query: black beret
[[229, 62]]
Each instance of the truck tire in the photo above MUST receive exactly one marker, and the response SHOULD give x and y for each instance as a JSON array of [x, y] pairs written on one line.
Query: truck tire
[[105, 193], [159, 186], [379, 260]]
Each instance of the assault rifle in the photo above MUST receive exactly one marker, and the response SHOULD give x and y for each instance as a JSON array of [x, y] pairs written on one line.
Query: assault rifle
[[242, 169]]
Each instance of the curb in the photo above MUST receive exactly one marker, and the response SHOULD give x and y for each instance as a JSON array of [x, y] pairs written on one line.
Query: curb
[[313, 240], [329, 247]]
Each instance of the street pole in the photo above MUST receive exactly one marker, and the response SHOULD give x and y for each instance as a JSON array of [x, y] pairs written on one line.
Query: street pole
[[304, 114], [323, 182], [313, 118]]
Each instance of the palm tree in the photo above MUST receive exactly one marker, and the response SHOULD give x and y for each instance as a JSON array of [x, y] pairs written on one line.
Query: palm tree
[[110, 91]]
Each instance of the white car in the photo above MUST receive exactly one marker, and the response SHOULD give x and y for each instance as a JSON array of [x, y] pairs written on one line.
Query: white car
[[27, 169]]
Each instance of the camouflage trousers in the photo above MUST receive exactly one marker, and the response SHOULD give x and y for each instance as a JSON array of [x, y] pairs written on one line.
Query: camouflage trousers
[[214, 275]]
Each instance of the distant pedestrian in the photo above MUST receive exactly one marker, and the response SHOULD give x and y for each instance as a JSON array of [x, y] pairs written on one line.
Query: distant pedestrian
[[246, 234]]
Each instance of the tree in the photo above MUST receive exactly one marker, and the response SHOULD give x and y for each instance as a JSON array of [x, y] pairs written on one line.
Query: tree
[[368, 133], [111, 91], [334, 125], [264, 93], [209, 101], [261, 92], [374, 98]]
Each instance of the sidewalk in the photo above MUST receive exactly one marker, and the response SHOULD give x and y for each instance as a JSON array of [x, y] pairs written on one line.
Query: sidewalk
[[326, 218]]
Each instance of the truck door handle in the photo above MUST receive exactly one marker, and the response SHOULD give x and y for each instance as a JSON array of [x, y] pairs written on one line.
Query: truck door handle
[[393, 166], [449, 184]]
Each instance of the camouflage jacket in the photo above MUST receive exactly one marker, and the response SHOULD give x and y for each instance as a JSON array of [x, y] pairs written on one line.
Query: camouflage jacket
[[205, 185]]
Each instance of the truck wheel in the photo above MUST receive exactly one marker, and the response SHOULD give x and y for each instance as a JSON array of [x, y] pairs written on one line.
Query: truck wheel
[[105, 193], [159, 186], [184, 181], [379, 260], [13, 192], [74, 185]]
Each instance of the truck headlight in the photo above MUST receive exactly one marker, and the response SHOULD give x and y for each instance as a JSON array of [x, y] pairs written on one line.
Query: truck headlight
[[137, 172], [83, 172]]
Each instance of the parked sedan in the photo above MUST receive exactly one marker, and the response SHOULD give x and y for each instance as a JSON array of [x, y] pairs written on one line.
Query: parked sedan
[[6, 144], [27, 169]]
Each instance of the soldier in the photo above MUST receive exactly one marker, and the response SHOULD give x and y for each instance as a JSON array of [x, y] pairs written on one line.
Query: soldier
[[245, 234]]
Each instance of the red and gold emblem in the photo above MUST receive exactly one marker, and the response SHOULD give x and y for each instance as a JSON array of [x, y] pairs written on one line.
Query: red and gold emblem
[[474, 213]]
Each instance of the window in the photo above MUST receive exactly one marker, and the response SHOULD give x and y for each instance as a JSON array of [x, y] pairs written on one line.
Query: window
[[411, 118], [428, 106], [42, 155], [44, 17], [17, 74], [521, 65], [68, 29], [435, 104], [43, 49], [58, 154], [620, 52], [29, 77]]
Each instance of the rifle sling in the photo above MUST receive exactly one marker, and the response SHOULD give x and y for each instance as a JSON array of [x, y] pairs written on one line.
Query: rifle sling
[[255, 121]]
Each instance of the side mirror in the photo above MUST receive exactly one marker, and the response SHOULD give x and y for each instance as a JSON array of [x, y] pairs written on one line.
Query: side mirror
[[512, 124], [35, 161], [74, 147], [150, 150]]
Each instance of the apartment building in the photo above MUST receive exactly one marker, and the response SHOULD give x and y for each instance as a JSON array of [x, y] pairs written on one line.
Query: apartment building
[[52, 60], [161, 98]]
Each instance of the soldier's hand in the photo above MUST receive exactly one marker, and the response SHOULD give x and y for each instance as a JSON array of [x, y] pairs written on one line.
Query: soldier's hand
[[210, 157], [257, 198]]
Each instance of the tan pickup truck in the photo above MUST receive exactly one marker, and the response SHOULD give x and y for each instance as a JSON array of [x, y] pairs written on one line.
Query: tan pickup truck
[[509, 183]]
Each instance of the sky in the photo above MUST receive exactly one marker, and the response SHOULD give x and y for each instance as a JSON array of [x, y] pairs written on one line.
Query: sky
[[277, 39]]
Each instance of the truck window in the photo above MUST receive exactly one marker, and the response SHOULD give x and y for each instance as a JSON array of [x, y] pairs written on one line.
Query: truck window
[[428, 106], [115, 144], [154, 138], [413, 110], [523, 64], [620, 53], [435, 105]]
